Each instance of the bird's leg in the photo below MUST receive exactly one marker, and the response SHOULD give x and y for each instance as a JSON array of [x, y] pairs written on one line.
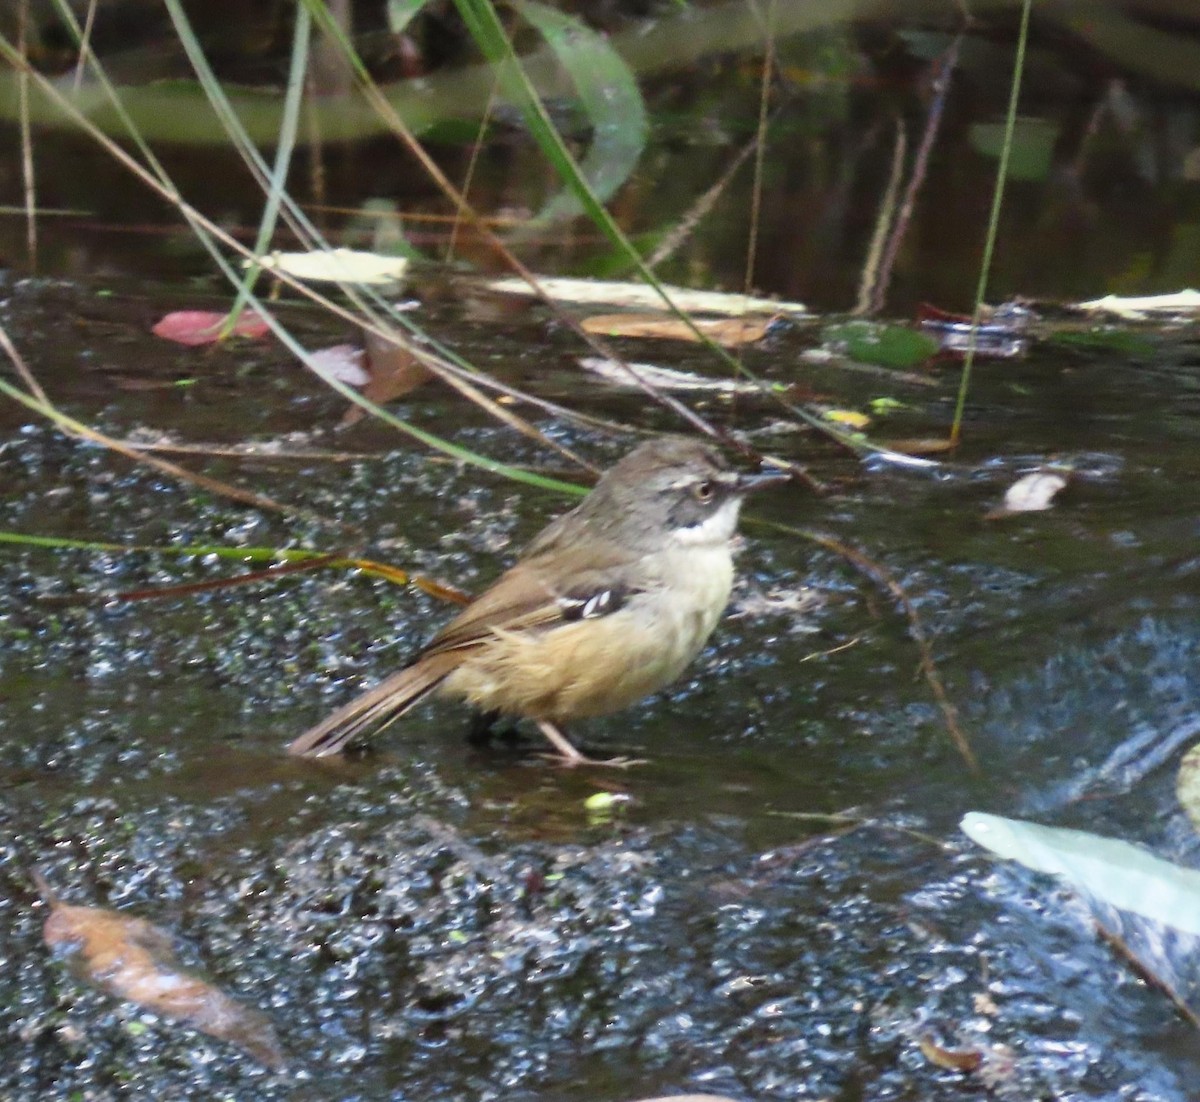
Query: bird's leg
[[486, 727], [483, 725], [569, 755]]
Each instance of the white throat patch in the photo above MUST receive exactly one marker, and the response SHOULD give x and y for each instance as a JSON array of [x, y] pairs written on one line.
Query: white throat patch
[[713, 530]]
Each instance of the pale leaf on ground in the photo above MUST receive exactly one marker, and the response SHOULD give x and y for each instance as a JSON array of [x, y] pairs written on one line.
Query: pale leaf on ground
[[1110, 870], [641, 296], [343, 362], [663, 378], [336, 266], [1031, 494], [1185, 302]]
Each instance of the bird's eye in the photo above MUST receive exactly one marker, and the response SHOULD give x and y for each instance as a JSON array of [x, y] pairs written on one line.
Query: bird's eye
[[704, 490]]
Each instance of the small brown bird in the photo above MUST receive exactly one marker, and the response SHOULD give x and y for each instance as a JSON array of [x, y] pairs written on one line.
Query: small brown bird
[[607, 605]]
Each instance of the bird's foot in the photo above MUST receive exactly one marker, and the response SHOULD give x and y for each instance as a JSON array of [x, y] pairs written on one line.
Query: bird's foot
[[567, 755], [577, 759]]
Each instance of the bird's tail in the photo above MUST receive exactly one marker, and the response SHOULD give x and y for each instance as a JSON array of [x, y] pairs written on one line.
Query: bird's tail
[[370, 711]]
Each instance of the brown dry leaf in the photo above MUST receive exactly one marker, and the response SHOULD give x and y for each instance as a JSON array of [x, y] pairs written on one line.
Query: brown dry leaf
[[933, 445], [726, 331], [133, 959], [392, 373], [952, 1059]]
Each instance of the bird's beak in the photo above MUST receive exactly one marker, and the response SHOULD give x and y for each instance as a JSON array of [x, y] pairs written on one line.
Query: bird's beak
[[758, 480]]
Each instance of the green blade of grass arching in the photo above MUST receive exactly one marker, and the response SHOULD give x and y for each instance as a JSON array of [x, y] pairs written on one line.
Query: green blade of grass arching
[[280, 561], [288, 127], [485, 28], [221, 551], [989, 245], [611, 101]]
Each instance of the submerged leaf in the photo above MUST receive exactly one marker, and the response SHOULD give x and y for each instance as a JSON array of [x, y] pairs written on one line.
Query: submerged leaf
[[197, 327], [392, 371], [1115, 872], [952, 1059], [885, 345], [133, 959], [1031, 149]]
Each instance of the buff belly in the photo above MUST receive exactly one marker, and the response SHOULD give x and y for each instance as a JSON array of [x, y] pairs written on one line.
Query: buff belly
[[594, 666]]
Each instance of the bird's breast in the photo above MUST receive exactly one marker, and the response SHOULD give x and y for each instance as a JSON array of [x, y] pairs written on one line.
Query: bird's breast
[[595, 666]]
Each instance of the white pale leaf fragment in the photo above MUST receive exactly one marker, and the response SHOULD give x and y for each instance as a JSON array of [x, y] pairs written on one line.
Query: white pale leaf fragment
[[1181, 302], [662, 378], [343, 362], [336, 266], [1119, 873], [1034, 492]]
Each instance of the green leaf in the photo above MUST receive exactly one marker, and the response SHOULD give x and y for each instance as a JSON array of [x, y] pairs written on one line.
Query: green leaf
[[1032, 146], [886, 345]]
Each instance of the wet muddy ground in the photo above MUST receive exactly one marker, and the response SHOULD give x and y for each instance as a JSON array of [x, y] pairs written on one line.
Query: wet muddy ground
[[434, 922]]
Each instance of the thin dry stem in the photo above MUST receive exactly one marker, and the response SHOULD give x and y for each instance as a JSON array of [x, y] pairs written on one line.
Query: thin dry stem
[[879, 574], [944, 69], [28, 176], [887, 211]]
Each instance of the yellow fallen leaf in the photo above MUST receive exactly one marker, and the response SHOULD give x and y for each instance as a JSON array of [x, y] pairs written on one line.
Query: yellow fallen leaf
[[336, 266], [848, 417]]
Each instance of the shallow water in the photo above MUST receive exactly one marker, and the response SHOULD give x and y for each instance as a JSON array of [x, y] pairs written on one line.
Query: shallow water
[[434, 922], [784, 907]]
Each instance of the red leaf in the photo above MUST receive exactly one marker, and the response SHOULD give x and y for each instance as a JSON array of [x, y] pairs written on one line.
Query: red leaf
[[194, 327]]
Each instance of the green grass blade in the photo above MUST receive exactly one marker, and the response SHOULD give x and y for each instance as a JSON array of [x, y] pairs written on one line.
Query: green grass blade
[[989, 245]]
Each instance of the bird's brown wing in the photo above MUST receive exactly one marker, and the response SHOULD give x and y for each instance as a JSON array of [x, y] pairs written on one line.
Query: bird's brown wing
[[538, 593]]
